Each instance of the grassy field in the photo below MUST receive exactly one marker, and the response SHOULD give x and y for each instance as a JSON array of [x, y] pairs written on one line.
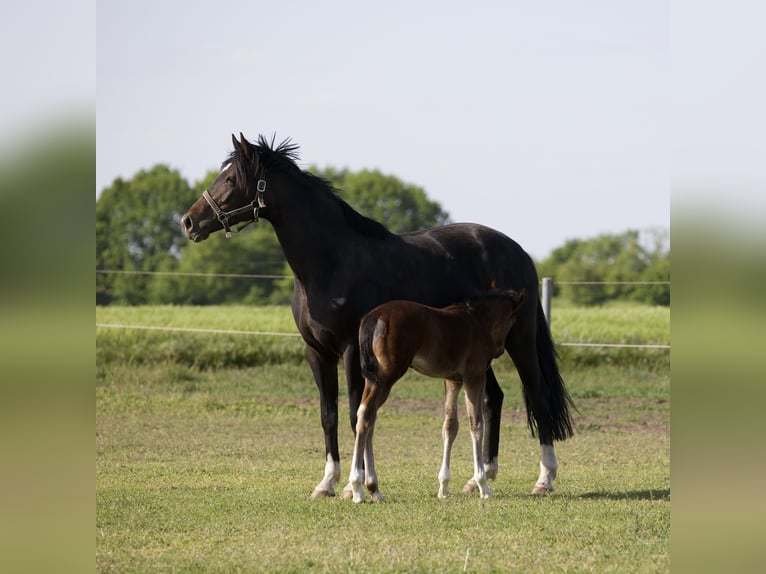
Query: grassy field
[[631, 324], [203, 467]]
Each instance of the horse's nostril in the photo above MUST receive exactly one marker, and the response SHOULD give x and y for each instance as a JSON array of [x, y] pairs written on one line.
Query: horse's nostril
[[186, 222]]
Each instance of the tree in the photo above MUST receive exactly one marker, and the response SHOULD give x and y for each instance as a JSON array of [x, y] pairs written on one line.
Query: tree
[[620, 259], [254, 251], [137, 229]]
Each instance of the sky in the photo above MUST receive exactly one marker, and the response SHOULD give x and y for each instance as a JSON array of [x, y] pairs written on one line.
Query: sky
[[544, 120]]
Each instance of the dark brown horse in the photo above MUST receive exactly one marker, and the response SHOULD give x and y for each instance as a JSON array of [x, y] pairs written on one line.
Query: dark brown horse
[[457, 343], [346, 264]]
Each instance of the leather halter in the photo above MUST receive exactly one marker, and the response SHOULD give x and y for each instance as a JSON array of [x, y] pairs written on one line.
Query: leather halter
[[254, 206]]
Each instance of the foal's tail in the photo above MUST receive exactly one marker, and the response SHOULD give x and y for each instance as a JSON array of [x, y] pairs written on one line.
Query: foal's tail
[[552, 389], [367, 332]]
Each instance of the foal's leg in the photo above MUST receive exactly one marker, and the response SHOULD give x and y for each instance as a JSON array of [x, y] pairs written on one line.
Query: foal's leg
[[474, 395], [325, 371], [449, 432], [363, 462], [493, 405]]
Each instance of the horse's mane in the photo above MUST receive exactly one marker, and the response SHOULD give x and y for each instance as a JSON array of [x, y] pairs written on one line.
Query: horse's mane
[[283, 157]]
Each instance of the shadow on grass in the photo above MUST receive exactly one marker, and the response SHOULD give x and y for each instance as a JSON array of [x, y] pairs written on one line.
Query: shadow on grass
[[660, 494]]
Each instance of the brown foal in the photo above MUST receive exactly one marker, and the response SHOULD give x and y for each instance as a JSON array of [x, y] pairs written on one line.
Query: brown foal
[[456, 343]]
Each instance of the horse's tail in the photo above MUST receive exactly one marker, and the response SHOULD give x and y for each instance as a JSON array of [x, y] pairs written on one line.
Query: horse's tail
[[552, 388], [367, 331]]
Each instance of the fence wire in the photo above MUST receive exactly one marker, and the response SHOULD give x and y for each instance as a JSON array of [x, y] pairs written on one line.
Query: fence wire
[[283, 334]]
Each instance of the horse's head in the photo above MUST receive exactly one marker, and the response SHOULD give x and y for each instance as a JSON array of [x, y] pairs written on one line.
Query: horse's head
[[236, 195]]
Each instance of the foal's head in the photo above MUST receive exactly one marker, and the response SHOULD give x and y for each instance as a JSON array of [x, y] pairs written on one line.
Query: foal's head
[[498, 311]]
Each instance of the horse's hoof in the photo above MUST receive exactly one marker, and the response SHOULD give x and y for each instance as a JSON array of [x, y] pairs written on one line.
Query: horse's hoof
[[470, 487], [322, 494], [377, 497], [542, 489], [348, 491]]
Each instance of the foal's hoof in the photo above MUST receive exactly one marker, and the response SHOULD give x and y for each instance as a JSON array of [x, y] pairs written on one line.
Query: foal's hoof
[[542, 489], [470, 487], [322, 494]]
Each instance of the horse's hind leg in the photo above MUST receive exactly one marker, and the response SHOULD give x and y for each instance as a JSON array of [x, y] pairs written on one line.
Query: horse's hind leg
[[525, 358], [449, 432], [474, 395]]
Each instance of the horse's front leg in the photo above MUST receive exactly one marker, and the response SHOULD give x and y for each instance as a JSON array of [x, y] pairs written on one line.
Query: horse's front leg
[[474, 395], [355, 386], [449, 432], [325, 371]]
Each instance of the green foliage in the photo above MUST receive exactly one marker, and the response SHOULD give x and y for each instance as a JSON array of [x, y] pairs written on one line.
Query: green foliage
[[617, 258], [137, 230]]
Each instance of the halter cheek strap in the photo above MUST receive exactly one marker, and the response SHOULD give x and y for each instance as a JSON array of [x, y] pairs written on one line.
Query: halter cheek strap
[[254, 206]]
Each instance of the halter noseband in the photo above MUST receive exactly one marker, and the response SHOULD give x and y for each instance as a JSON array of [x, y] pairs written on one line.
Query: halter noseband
[[255, 205]]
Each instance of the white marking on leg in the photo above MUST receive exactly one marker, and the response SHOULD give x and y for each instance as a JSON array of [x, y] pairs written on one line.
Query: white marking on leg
[[473, 404], [479, 476], [548, 469], [371, 476], [331, 478], [356, 476], [444, 471], [449, 432]]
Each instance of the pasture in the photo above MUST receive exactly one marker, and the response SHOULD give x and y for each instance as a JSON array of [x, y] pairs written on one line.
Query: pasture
[[208, 447]]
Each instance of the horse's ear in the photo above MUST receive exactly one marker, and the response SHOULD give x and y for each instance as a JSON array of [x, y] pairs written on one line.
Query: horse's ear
[[247, 147], [242, 147]]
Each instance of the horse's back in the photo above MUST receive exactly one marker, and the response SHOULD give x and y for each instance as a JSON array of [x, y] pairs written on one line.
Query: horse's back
[[484, 256]]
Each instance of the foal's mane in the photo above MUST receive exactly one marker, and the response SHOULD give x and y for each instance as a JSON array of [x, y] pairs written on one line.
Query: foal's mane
[[283, 157], [490, 295]]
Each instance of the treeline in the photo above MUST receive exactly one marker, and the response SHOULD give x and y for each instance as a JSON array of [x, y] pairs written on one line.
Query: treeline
[[633, 265], [138, 235]]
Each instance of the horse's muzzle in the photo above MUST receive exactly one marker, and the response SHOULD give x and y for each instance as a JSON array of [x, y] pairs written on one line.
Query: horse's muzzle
[[190, 229]]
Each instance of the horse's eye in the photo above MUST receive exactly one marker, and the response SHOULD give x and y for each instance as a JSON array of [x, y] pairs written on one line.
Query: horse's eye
[[230, 180]]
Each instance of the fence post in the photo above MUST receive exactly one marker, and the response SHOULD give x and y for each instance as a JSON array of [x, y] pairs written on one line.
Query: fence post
[[546, 298]]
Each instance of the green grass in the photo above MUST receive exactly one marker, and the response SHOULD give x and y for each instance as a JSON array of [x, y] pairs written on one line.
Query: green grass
[[204, 468], [625, 323]]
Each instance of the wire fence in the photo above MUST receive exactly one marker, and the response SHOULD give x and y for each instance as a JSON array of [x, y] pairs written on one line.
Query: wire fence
[[295, 334]]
